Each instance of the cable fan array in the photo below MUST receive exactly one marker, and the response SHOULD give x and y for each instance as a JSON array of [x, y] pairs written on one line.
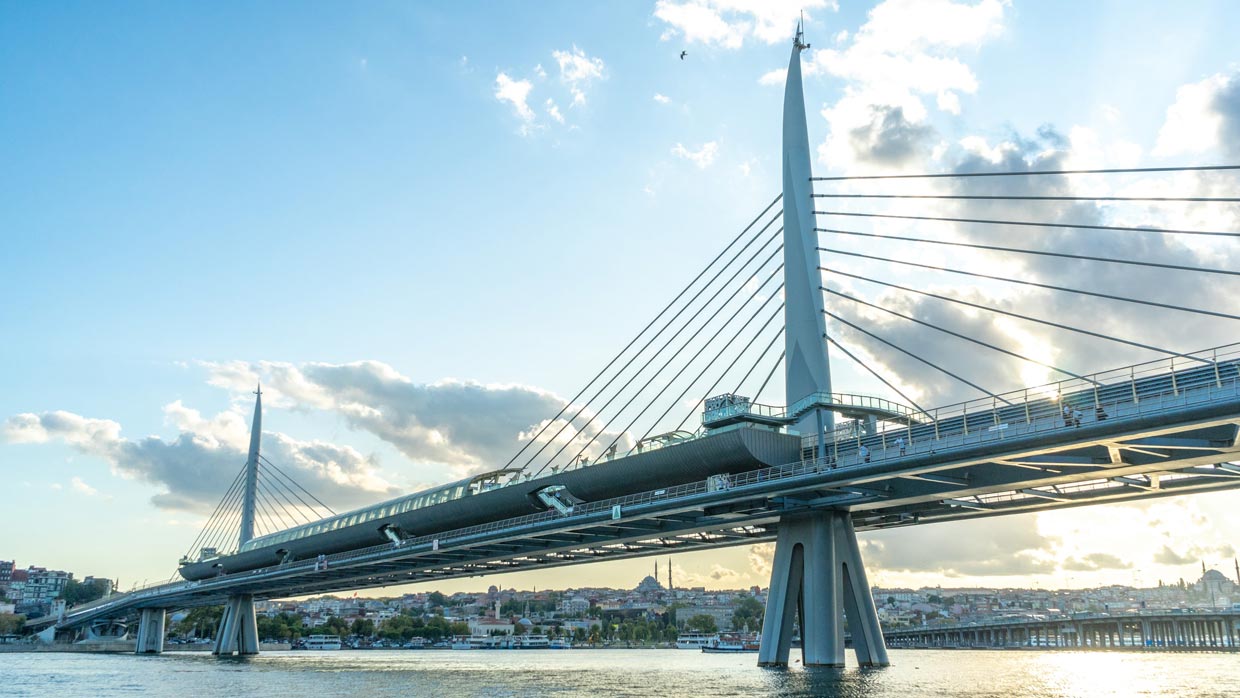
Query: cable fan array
[[718, 334], [1056, 237], [279, 503]]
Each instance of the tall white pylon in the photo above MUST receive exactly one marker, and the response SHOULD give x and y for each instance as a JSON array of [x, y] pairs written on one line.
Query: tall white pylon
[[806, 370], [251, 470], [817, 573]]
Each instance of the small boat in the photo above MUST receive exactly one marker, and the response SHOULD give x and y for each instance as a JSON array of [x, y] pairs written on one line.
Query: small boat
[[461, 642], [695, 640], [560, 643], [323, 642]]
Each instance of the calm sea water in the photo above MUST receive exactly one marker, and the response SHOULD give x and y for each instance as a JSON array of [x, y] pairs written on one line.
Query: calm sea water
[[598, 673]]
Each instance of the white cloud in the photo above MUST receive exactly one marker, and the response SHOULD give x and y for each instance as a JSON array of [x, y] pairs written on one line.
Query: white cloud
[[662, 99], [578, 71], [908, 51], [703, 157], [83, 488], [194, 470], [515, 92], [949, 102], [1205, 116], [553, 110], [727, 23], [433, 424], [576, 67]]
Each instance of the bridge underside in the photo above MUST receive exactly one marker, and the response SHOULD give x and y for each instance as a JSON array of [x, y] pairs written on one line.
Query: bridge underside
[[1067, 468]]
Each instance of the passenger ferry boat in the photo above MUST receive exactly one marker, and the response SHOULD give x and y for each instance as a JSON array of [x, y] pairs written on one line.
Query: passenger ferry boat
[[533, 642], [695, 640], [502, 642], [323, 642], [730, 644], [561, 643]]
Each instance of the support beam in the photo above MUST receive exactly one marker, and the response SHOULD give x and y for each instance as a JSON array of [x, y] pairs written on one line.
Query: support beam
[[238, 631], [151, 631], [818, 571]]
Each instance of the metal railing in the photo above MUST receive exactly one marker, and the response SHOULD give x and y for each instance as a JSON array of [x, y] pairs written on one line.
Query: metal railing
[[820, 399], [1141, 389]]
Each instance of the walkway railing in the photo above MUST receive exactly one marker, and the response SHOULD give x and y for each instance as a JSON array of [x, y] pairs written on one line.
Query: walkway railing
[[1140, 389]]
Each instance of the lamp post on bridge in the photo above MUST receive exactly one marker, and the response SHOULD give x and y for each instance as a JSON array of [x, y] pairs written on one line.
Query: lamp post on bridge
[[817, 566]]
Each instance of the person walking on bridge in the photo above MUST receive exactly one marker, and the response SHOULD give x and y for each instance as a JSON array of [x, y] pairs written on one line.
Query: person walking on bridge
[[864, 453]]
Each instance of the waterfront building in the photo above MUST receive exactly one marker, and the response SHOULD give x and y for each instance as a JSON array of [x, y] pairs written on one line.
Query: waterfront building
[[6, 574]]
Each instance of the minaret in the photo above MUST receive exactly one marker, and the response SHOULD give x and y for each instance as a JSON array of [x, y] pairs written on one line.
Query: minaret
[[805, 361], [251, 470], [669, 574], [1237, 564]]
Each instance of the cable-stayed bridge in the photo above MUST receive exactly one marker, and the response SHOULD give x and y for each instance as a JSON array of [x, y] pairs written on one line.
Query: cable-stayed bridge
[[681, 441]]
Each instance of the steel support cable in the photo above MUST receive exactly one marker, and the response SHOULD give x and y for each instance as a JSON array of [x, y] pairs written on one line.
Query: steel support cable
[[261, 511], [276, 514], [1029, 197], [230, 530], [1043, 253], [211, 519], [648, 326], [288, 518], [1031, 173], [695, 356], [1009, 313], [876, 374], [718, 355], [228, 517], [732, 364], [297, 487], [260, 514], [650, 341], [279, 489], [761, 356], [745, 265], [770, 375], [276, 506], [283, 491], [927, 362], [1035, 224], [651, 358], [958, 335], [1096, 294]]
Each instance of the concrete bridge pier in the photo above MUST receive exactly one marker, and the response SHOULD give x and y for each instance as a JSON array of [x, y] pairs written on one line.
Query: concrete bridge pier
[[238, 632], [818, 571], [151, 631]]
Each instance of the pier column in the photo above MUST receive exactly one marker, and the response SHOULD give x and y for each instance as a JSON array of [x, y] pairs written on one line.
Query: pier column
[[818, 570], [151, 631], [238, 631]]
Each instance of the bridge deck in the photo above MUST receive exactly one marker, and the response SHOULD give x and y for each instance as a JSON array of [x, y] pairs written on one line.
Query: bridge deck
[[1158, 443]]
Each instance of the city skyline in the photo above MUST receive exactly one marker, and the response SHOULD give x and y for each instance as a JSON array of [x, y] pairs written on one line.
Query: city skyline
[[295, 218]]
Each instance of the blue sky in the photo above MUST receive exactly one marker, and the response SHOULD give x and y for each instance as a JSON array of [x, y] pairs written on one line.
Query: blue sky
[[496, 194]]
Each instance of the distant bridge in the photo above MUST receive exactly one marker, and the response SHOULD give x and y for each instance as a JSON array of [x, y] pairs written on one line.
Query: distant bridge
[[807, 473], [1157, 630]]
